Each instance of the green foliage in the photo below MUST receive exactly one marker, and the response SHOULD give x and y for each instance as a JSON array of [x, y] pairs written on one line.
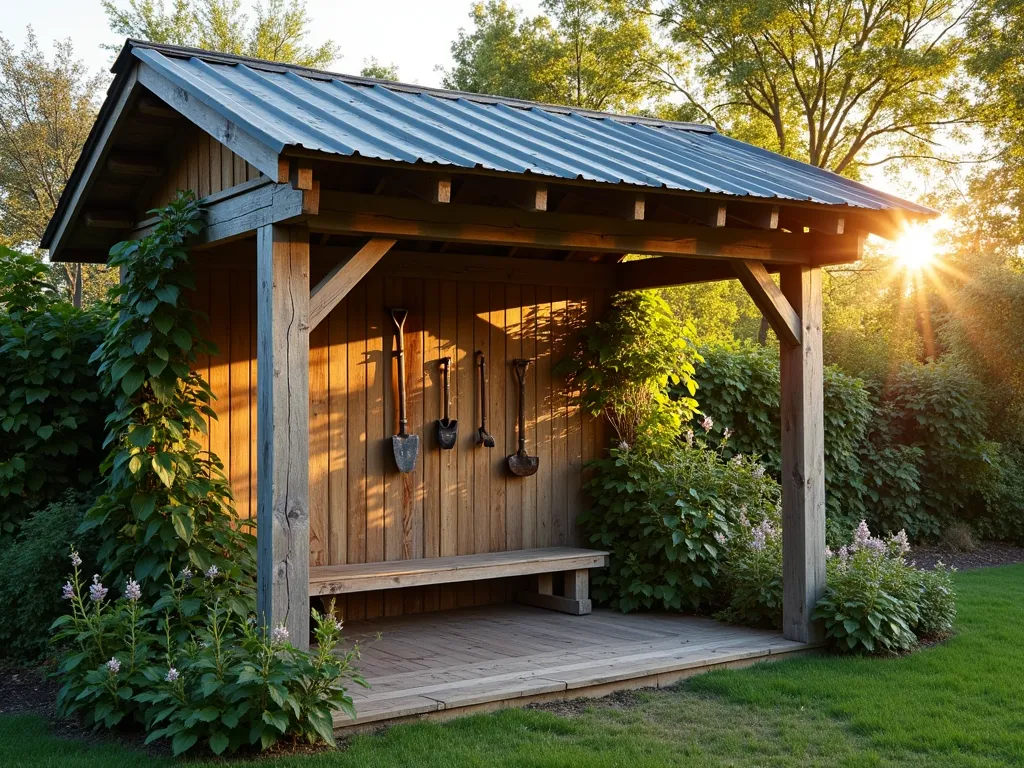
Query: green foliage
[[625, 364], [937, 602], [226, 685], [871, 600], [753, 573], [662, 515], [50, 404], [595, 54], [891, 72], [937, 408], [167, 503], [33, 565], [277, 32]]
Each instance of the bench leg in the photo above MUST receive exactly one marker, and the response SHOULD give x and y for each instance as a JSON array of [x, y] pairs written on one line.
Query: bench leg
[[577, 593]]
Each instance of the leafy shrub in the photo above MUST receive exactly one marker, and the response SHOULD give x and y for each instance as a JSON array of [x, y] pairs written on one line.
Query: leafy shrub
[[33, 565], [937, 407], [51, 412], [937, 602], [229, 685], [753, 572], [1001, 516], [871, 596], [958, 537], [661, 515], [624, 365], [166, 501]]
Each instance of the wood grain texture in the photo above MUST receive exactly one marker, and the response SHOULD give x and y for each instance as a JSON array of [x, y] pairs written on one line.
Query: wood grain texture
[[803, 463], [769, 299], [282, 571], [343, 277]]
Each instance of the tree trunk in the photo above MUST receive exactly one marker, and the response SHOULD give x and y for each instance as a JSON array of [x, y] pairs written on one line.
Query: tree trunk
[[76, 298]]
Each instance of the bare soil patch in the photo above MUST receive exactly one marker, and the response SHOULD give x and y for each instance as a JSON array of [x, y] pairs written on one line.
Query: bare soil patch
[[988, 554]]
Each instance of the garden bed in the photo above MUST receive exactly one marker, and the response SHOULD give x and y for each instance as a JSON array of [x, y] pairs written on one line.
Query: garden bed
[[988, 554]]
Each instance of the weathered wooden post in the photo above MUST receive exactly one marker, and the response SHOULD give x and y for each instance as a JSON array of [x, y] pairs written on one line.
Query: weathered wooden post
[[803, 459], [282, 518]]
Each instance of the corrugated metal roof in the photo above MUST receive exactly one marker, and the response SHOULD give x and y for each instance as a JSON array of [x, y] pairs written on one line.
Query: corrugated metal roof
[[287, 106]]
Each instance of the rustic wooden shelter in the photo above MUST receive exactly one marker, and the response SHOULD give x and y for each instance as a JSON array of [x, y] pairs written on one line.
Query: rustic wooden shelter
[[501, 227]]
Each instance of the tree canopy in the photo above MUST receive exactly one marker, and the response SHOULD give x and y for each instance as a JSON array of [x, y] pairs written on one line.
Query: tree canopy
[[276, 32]]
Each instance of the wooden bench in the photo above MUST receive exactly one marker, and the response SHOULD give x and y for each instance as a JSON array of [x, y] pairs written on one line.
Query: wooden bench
[[328, 580]]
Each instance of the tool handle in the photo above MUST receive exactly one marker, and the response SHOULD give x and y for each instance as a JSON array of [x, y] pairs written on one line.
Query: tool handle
[[446, 364], [483, 390], [398, 316], [521, 366]]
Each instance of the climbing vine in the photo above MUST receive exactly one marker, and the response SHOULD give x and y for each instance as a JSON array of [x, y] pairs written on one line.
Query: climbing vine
[[167, 505]]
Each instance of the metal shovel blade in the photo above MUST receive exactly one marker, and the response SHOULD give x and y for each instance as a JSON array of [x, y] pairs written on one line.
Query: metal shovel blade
[[407, 448], [447, 433], [523, 465]]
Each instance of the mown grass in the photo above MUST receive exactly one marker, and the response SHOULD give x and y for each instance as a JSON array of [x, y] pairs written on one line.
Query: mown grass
[[957, 704]]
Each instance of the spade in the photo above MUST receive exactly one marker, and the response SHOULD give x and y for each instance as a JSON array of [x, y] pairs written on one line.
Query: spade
[[519, 463], [447, 428], [406, 446]]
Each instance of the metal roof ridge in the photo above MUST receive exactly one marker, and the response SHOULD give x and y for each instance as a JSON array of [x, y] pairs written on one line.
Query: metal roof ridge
[[181, 51]]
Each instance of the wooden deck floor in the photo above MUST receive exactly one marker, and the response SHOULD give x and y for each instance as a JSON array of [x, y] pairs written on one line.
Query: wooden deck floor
[[459, 661]]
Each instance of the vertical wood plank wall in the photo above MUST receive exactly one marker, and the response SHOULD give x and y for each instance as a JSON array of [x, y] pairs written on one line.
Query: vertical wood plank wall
[[461, 501]]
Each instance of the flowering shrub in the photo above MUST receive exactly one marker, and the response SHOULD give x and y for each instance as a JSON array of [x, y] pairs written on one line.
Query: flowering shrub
[[872, 595], [937, 603], [663, 516], [227, 684], [753, 572]]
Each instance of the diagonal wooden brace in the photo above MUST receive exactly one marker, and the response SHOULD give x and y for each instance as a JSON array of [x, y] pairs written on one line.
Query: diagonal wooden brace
[[770, 300], [340, 280]]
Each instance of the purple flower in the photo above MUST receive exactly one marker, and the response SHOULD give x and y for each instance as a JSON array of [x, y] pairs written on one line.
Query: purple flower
[[759, 534], [97, 591], [876, 545], [113, 666], [744, 522], [829, 554], [185, 574], [212, 572], [902, 542], [279, 635], [861, 536], [75, 559], [133, 591], [623, 446], [172, 675], [707, 423], [68, 592], [721, 538]]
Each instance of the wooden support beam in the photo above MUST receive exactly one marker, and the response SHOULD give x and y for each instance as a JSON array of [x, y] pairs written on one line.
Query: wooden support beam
[[633, 207], [757, 215], [300, 174], [134, 165], [434, 188], [710, 213], [343, 278], [769, 299], [668, 271], [374, 216], [240, 210], [282, 387], [109, 219], [823, 221], [533, 197], [803, 460]]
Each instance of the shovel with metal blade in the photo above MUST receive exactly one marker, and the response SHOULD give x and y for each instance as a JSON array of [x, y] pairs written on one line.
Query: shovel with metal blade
[[447, 428], [406, 446], [521, 464], [483, 436]]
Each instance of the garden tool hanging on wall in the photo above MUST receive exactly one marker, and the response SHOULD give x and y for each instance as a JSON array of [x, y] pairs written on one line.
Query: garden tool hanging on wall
[[519, 463], [483, 437], [406, 446], [447, 428]]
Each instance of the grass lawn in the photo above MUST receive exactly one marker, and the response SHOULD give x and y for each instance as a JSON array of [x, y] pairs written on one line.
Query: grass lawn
[[958, 704]]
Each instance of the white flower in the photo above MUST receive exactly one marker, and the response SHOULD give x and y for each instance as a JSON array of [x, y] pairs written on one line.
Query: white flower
[[689, 438], [75, 559], [707, 423], [97, 591], [113, 666], [720, 538], [172, 675], [133, 591], [68, 592], [758, 472], [337, 625], [185, 574], [212, 572], [727, 433], [279, 634]]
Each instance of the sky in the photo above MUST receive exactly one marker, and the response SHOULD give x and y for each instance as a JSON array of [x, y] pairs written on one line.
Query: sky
[[414, 34]]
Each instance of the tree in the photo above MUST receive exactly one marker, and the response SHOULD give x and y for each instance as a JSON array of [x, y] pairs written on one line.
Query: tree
[[373, 68], [276, 33], [46, 111], [826, 81], [593, 54]]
